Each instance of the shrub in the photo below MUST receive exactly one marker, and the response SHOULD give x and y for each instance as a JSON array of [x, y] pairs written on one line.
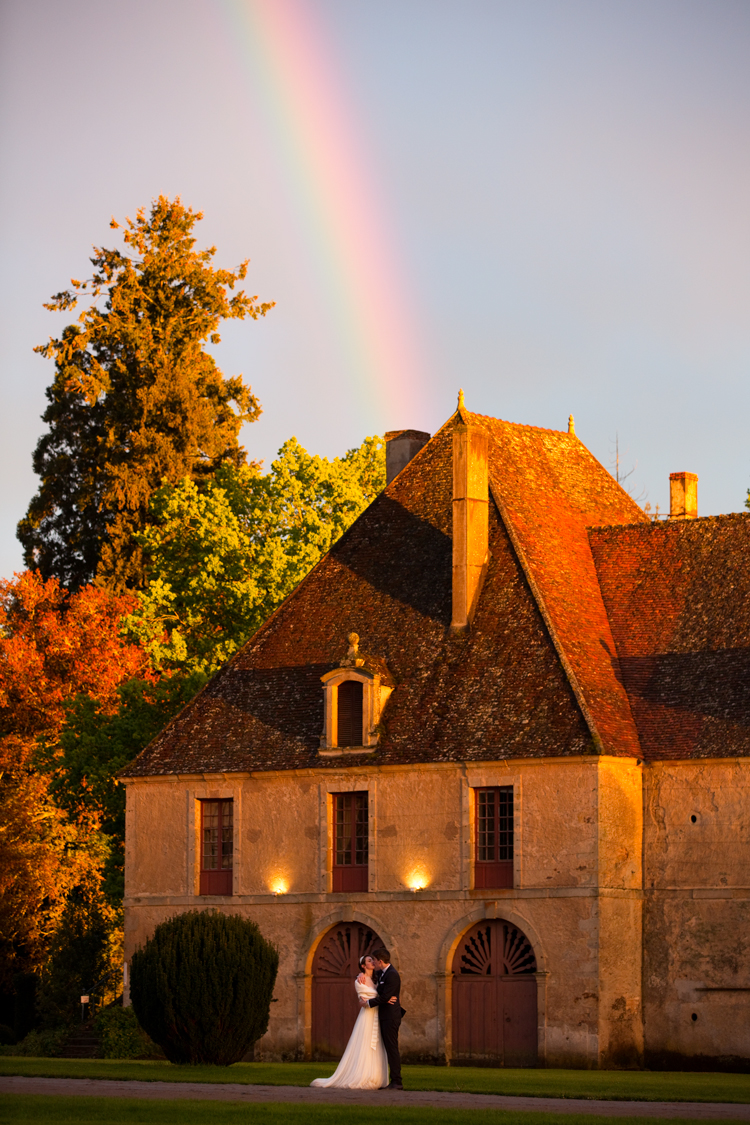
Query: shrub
[[122, 1037], [39, 1044], [202, 986], [7, 1035]]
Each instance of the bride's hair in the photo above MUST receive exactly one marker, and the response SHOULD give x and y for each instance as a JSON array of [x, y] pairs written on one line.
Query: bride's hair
[[362, 960]]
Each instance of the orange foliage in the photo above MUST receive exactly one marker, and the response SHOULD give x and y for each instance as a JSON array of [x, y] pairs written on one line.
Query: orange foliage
[[52, 647]]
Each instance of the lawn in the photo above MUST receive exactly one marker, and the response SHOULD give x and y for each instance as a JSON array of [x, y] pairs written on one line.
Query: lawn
[[639, 1085], [25, 1109]]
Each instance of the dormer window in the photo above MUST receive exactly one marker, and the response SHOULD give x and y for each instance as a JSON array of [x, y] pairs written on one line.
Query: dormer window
[[354, 697]]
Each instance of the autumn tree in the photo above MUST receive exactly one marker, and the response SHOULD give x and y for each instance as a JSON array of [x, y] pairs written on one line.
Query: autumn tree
[[136, 399], [52, 648], [223, 554]]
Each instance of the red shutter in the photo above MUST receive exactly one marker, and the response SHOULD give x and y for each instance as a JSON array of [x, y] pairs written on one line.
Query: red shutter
[[217, 847], [350, 714], [493, 856], [350, 841]]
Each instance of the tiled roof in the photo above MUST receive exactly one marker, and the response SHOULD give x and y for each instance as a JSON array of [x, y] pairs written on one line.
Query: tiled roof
[[678, 599], [539, 673], [550, 489]]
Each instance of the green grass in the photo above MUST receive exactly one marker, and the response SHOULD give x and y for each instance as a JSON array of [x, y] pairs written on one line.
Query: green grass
[[26, 1109], [639, 1085]]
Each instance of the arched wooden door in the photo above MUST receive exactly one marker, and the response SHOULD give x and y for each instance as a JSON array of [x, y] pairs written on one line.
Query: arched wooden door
[[494, 997], [334, 1001]]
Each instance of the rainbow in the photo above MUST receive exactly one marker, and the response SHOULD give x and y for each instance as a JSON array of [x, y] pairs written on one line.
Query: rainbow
[[295, 76]]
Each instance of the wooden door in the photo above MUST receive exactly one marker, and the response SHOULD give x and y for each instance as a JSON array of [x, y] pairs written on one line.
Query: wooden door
[[334, 1001], [494, 997]]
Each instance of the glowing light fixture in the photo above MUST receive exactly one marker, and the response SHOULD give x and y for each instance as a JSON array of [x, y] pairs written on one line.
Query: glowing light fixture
[[417, 879], [279, 886]]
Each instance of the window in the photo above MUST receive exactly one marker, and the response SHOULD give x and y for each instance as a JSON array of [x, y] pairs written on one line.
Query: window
[[217, 847], [493, 865], [349, 713], [350, 843], [354, 695]]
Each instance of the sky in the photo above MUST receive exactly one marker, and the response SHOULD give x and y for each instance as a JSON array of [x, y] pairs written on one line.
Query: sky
[[544, 202]]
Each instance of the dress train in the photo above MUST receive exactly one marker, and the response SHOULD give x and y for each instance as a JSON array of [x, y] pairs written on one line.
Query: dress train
[[364, 1063]]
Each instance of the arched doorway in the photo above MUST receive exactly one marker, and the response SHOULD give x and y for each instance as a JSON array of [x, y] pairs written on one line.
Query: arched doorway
[[494, 997], [334, 1001]]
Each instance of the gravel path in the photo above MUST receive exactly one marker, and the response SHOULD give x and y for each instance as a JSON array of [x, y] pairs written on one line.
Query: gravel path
[[296, 1095]]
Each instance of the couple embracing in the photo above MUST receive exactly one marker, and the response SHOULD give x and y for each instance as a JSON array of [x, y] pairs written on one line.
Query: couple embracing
[[373, 1044]]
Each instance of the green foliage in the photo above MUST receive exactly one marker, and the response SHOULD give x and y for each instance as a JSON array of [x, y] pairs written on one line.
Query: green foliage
[[39, 1044], [85, 958], [95, 744], [202, 986], [136, 399], [122, 1037], [223, 555]]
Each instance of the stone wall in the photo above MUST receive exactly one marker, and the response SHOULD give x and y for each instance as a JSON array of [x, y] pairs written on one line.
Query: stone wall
[[577, 893], [697, 914]]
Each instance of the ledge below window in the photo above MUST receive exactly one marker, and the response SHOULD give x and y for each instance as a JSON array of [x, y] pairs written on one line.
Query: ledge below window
[[339, 751]]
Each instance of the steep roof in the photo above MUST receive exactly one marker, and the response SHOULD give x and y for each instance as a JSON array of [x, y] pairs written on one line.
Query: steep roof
[[549, 667], [678, 598], [550, 489]]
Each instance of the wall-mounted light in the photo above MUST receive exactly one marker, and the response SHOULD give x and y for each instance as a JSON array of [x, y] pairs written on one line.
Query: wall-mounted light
[[417, 880], [279, 886]]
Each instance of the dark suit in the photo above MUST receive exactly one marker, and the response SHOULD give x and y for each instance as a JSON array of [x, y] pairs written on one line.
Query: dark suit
[[387, 986]]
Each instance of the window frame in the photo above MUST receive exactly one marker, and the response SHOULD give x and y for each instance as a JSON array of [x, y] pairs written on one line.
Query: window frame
[[496, 873], [353, 874], [217, 880]]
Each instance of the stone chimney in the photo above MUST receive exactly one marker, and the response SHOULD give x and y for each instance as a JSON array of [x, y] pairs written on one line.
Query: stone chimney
[[683, 496], [470, 516], [400, 447]]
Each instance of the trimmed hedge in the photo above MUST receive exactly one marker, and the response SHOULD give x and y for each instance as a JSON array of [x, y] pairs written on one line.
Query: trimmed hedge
[[202, 986]]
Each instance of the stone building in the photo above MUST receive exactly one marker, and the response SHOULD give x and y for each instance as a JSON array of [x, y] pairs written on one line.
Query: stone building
[[503, 727]]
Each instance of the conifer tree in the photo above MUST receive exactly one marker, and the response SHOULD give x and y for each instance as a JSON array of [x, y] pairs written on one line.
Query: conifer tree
[[202, 986], [136, 399]]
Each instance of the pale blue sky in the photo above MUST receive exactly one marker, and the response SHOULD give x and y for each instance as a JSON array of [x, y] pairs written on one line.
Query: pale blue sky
[[565, 187]]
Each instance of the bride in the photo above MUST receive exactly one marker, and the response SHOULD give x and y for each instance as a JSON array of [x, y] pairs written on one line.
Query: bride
[[364, 1065]]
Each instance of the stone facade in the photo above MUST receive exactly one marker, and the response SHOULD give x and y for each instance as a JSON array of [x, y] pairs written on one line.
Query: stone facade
[[577, 893]]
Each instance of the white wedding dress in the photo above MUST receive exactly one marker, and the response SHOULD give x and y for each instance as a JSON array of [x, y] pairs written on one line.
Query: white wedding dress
[[364, 1064]]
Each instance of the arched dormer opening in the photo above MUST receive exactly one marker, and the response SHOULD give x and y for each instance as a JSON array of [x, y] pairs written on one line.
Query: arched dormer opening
[[354, 696], [350, 713]]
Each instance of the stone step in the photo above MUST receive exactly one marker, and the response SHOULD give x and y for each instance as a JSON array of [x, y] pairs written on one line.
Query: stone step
[[81, 1045]]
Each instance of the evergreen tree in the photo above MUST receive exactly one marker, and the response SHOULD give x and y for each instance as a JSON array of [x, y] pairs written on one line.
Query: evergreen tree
[[136, 399], [202, 986]]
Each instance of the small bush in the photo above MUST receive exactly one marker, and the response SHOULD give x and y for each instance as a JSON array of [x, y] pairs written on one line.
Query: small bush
[[7, 1035], [39, 1044], [202, 986], [122, 1037]]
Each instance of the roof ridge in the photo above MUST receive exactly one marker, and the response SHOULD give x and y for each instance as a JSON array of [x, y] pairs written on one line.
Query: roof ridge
[[522, 425], [670, 523], [505, 422]]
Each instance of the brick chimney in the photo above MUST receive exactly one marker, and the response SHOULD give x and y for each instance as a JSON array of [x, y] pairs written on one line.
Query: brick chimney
[[470, 516], [683, 496], [400, 447]]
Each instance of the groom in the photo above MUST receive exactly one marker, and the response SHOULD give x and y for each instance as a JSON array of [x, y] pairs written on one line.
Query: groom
[[387, 1000]]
